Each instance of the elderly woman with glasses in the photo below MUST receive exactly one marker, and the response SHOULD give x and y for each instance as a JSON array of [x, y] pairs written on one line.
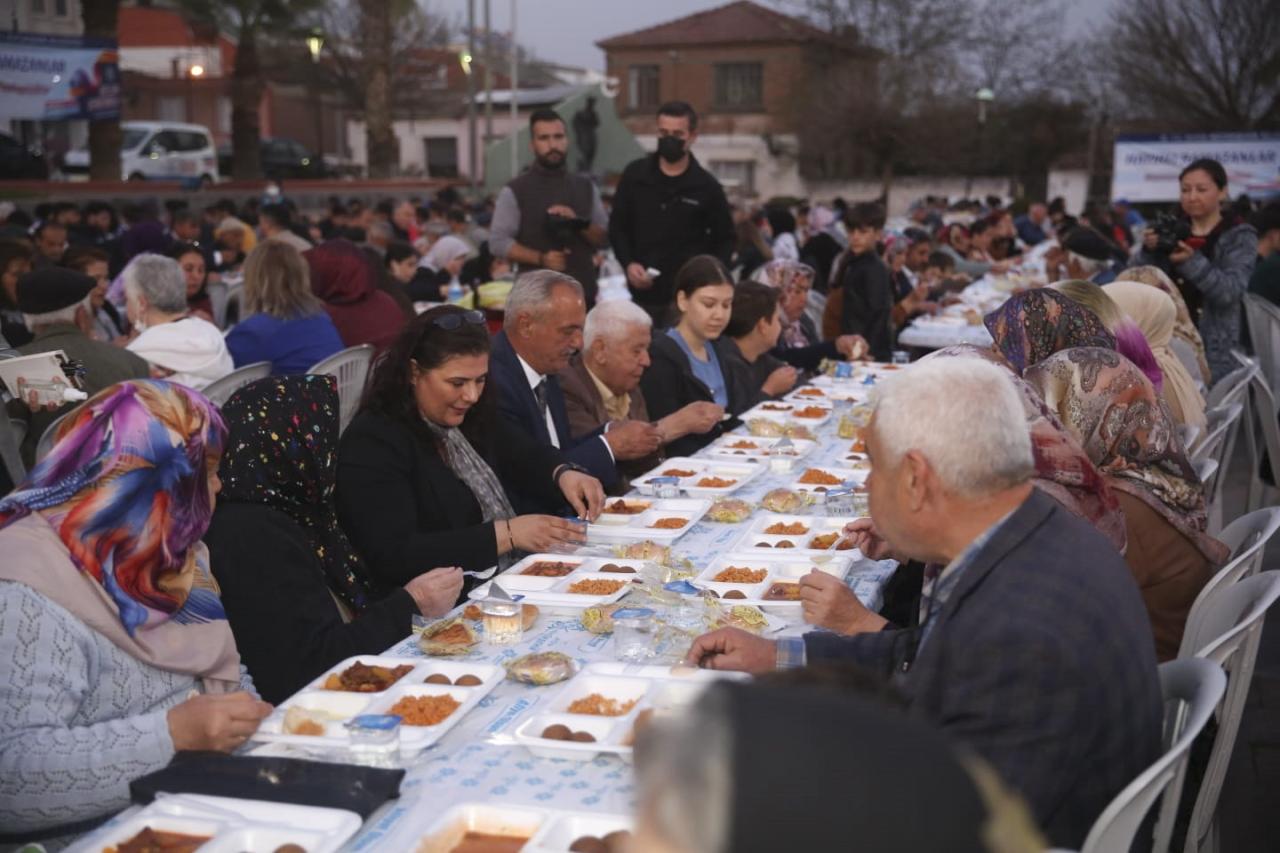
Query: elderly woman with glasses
[[421, 469], [800, 345]]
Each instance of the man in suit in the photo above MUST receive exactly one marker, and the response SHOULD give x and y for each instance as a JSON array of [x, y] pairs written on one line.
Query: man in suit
[[1033, 646], [601, 385], [57, 308], [541, 331]]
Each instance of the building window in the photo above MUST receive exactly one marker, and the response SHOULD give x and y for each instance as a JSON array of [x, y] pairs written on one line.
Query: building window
[[37, 7], [442, 156], [171, 108], [60, 8], [737, 175], [739, 86], [642, 87]]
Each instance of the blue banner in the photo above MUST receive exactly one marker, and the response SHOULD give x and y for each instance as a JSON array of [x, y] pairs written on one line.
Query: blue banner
[[53, 78]]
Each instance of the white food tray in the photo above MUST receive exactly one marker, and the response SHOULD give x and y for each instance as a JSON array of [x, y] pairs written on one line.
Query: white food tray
[[611, 527], [548, 830], [740, 472], [661, 689], [763, 447], [778, 569], [343, 705], [836, 390], [848, 477], [234, 825], [785, 410], [552, 592], [815, 525]]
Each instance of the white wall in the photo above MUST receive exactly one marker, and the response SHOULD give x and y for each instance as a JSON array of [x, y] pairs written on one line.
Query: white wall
[[1072, 185], [411, 134], [47, 22]]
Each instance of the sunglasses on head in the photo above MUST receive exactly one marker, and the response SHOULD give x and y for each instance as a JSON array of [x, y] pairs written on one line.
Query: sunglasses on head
[[452, 321]]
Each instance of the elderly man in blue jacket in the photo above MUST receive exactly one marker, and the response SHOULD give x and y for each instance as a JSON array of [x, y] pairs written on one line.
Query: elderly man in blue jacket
[[1033, 646]]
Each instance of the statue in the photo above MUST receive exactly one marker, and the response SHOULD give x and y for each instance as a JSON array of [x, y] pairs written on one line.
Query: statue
[[585, 122]]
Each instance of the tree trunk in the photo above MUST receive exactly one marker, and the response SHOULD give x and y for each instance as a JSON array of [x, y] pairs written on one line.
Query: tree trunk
[[246, 96], [380, 141], [101, 20]]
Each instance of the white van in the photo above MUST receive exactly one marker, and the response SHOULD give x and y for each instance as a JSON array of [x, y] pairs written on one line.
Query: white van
[[159, 150]]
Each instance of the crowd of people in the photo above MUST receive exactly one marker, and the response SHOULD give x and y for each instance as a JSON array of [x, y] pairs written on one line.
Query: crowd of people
[[1050, 530]]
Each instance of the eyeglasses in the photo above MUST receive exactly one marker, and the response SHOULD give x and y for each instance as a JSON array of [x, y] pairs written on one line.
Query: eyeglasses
[[451, 321]]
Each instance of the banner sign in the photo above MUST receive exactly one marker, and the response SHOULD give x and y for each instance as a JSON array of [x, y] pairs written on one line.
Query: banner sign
[[52, 78], [1146, 167]]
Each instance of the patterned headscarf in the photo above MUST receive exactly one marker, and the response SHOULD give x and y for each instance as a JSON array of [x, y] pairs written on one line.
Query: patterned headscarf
[[1116, 415], [1033, 325], [784, 275], [1063, 469], [282, 450], [1183, 327], [126, 489]]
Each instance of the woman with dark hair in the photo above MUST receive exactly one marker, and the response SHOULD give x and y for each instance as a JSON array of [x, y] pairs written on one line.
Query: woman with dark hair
[[296, 593], [753, 331], [1212, 264], [191, 259], [752, 248], [15, 261], [783, 226], [419, 466], [687, 361]]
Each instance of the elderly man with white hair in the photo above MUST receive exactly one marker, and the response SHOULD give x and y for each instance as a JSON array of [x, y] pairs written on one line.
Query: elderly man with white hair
[[600, 386], [1033, 646], [180, 348]]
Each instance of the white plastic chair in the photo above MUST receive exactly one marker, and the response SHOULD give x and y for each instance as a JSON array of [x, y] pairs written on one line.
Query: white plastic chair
[[1206, 470], [1247, 537], [45, 444], [1218, 444], [1261, 435], [1189, 434], [1228, 633], [351, 367], [1232, 388], [1192, 689], [221, 390], [1264, 332]]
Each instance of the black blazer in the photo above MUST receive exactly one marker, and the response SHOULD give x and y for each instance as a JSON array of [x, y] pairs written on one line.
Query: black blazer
[[519, 408], [406, 512], [286, 624], [669, 385], [1041, 660]]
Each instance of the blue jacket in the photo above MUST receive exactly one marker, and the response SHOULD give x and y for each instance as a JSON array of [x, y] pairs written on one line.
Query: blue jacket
[[519, 408], [1041, 660], [292, 346]]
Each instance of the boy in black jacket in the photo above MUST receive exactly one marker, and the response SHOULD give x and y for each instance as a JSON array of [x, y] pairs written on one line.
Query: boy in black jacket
[[865, 280]]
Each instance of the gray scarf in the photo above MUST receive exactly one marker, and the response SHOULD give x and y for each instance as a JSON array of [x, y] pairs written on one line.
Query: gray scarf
[[471, 468]]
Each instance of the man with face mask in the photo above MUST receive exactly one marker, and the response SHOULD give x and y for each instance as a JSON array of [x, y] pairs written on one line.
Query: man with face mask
[[547, 217], [666, 210]]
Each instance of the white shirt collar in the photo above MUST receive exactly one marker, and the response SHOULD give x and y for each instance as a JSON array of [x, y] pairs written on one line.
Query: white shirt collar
[[531, 376]]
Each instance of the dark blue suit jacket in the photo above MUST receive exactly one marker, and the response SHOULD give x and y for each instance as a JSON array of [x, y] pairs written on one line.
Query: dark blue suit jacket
[[1041, 660], [518, 406]]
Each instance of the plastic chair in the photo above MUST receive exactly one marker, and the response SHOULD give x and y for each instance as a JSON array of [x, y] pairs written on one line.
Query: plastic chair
[[1207, 469], [1189, 434], [351, 367], [1218, 444], [221, 390], [1261, 435], [1232, 388], [1194, 688], [1264, 331], [232, 307], [1247, 537], [1229, 635], [11, 435], [45, 444]]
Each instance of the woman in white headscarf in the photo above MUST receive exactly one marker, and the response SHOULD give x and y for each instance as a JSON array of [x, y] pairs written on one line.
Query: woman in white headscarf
[[1155, 315], [439, 268], [179, 347]]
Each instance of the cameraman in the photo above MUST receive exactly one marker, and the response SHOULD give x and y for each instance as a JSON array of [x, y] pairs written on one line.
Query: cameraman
[[546, 217], [1210, 255]]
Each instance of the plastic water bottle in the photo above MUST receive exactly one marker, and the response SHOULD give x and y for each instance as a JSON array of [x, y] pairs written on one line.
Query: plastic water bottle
[[454, 294]]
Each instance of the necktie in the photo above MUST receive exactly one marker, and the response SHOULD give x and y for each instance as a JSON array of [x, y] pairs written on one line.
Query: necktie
[[540, 392]]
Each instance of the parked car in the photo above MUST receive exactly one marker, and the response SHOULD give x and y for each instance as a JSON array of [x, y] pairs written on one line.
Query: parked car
[[281, 158], [159, 150], [17, 161]]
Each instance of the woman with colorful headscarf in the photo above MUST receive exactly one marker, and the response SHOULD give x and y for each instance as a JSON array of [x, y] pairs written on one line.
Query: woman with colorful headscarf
[[1187, 343], [109, 622], [1033, 325], [1131, 341], [1114, 412], [1155, 315], [287, 571], [800, 345]]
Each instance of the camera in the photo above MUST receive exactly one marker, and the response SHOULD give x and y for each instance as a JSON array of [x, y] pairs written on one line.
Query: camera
[[562, 229], [1170, 230]]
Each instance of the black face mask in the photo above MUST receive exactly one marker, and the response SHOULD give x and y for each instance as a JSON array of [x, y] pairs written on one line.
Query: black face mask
[[670, 148]]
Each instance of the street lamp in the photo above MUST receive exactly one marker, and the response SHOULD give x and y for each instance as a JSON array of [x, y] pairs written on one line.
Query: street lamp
[[194, 72], [983, 96], [315, 41]]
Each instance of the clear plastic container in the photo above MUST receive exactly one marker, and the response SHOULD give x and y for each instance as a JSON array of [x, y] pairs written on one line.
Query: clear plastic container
[[374, 739], [634, 631], [502, 620]]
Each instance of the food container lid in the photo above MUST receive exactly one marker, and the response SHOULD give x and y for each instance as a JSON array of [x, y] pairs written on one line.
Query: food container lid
[[375, 722], [678, 587], [633, 613]]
